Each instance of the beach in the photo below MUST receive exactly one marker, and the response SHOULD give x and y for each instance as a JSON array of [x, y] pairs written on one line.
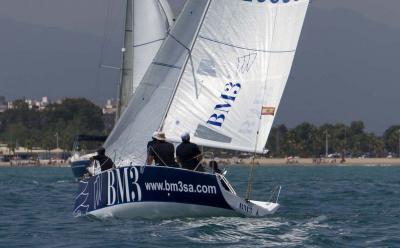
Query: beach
[[312, 162], [30, 163]]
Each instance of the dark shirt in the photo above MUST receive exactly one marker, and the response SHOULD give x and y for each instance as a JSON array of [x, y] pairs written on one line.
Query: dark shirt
[[187, 154], [163, 153], [105, 162], [150, 143]]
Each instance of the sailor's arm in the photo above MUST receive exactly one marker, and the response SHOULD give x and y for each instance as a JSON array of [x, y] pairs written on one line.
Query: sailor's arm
[[150, 159], [199, 155], [178, 161]]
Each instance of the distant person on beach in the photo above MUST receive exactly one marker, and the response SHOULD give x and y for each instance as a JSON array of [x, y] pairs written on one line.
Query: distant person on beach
[[105, 162], [160, 151], [343, 158], [188, 154]]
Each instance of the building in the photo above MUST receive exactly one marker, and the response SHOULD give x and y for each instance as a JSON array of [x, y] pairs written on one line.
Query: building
[[110, 107], [10, 105], [3, 104], [37, 105], [109, 114]]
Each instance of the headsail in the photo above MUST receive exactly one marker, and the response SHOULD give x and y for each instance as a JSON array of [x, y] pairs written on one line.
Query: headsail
[[232, 86], [146, 26], [220, 75]]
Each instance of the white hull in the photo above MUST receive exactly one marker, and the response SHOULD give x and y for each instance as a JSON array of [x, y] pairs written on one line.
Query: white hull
[[154, 210]]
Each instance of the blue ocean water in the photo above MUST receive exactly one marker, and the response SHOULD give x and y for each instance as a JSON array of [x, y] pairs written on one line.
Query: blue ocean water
[[321, 207]]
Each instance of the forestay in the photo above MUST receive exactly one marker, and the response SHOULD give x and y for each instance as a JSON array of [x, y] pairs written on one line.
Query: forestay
[[233, 82], [147, 108], [146, 26]]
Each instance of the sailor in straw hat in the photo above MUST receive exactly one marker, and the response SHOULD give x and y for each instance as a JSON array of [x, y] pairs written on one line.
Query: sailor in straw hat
[[160, 151]]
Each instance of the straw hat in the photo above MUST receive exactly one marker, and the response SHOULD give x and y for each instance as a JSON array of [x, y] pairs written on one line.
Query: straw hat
[[159, 135]]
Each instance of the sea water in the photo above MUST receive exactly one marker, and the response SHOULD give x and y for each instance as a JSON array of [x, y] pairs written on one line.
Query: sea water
[[321, 207]]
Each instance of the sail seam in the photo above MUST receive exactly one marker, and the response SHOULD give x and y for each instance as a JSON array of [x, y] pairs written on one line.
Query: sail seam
[[245, 48], [150, 42]]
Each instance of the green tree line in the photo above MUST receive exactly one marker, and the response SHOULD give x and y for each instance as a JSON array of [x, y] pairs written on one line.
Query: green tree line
[[32, 128], [308, 140], [26, 127]]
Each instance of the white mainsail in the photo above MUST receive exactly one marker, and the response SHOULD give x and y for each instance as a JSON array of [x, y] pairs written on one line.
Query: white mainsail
[[220, 75], [146, 26]]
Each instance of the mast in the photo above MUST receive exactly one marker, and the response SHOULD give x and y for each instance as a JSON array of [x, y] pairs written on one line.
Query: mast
[[125, 85]]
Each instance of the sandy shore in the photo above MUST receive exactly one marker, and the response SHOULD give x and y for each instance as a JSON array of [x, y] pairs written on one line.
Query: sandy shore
[[311, 162], [31, 164]]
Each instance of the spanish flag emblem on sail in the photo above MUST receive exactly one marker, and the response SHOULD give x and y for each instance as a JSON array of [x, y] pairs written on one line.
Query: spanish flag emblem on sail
[[268, 111]]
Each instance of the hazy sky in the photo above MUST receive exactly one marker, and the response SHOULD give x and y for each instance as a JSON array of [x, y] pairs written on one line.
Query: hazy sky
[[346, 67], [88, 16]]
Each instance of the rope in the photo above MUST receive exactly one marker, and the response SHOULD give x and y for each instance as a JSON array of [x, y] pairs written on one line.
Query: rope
[[159, 157]]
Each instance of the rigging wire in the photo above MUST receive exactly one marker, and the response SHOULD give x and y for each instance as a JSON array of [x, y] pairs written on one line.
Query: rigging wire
[[167, 24], [251, 173], [105, 32], [105, 40]]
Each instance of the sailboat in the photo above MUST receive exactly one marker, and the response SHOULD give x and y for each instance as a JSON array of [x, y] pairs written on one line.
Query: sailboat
[[146, 26], [219, 75]]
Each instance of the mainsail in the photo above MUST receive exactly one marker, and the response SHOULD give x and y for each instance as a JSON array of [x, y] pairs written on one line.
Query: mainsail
[[219, 75], [146, 26]]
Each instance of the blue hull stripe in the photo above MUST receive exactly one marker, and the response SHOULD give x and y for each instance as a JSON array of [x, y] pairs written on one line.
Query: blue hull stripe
[[148, 184]]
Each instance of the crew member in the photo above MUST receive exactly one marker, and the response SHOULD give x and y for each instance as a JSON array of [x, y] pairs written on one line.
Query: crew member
[[160, 151], [152, 141], [188, 154], [105, 162]]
